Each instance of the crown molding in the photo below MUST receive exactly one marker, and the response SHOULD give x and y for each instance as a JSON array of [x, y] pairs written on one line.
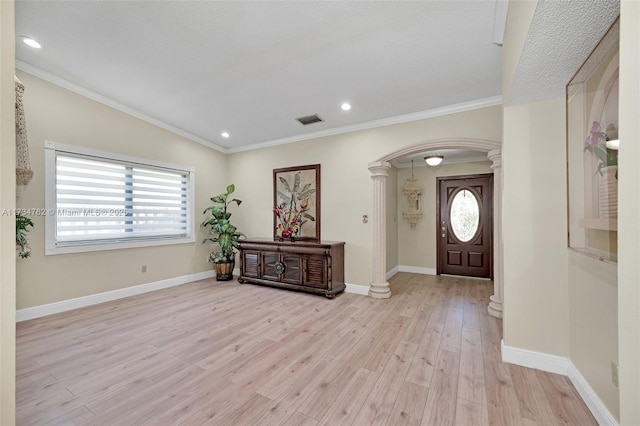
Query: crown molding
[[66, 84], [406, 118], [399, 119], [500, 21]]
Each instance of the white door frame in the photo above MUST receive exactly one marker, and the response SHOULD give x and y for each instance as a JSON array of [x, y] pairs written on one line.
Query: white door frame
[[379, 171]]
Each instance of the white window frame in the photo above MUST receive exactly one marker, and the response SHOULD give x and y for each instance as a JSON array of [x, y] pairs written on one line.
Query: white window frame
[[51, 248]]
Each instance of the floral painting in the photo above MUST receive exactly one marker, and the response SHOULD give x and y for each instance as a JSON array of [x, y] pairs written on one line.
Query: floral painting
[[296, 203]]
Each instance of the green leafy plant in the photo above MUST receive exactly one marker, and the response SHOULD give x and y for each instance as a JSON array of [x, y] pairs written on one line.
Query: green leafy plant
[[22, 244], [221, 230], [596, 143]]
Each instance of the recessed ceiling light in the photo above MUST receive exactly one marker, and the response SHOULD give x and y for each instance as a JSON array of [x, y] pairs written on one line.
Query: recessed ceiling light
[[345, 106], [225, 134], [31, 42]]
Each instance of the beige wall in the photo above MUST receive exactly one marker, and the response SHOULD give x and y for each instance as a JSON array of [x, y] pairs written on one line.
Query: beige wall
[[536, 301], [593, 296], [392, 218], [347, 189], [629, 212], [519, 17], [56, 114], [417, 246], [594, 301], [7, 222], [536, 313]]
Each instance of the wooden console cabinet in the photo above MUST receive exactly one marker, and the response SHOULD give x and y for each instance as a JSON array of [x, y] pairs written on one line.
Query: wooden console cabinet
[[301, 265]]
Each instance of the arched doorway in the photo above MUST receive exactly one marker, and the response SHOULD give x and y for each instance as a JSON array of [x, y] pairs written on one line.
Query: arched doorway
[[379, 171]]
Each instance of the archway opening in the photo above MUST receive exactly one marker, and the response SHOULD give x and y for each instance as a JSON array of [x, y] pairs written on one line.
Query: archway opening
[[379, 287]]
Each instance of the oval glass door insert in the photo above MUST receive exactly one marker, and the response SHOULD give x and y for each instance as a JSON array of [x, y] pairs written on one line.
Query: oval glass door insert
[[465, 215]]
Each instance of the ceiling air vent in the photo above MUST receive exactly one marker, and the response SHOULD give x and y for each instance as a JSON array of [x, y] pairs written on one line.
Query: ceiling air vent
[[309, 119]]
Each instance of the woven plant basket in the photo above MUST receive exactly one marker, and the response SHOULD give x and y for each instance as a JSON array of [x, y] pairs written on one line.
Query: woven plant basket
[[23, 163], [23, 176]]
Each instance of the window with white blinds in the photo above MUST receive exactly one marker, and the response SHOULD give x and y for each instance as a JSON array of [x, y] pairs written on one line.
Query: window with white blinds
[[102, 201]]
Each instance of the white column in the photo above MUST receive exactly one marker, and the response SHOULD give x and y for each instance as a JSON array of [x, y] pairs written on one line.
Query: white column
[[379, 286], [495, 304]]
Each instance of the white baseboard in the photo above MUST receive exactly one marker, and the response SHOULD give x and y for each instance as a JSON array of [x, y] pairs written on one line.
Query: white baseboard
[[561, 365], [598, 409], [392, 272], [412, 269], [94, 299], [357, 289], [417, 270], [538, 360]]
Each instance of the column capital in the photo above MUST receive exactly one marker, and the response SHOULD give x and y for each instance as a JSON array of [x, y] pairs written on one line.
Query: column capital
[[495, 155], [379, 169]]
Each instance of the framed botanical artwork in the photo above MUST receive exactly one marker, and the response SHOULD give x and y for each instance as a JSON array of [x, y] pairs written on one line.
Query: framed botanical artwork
[[296, 203], [592, 151]]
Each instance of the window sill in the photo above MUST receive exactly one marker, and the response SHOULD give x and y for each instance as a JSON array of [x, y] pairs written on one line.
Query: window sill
[[53, 250], [599, 223]]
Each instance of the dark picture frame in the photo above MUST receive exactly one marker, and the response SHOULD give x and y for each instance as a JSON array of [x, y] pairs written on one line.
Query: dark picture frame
[[296, 203]]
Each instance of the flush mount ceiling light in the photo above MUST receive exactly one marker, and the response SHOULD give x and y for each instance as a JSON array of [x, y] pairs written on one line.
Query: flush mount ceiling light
[[433, 160], [345, 106], [31, 42], [225, 134]]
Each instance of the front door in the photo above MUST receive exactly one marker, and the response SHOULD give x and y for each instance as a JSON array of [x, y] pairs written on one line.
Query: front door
[[465, 225]]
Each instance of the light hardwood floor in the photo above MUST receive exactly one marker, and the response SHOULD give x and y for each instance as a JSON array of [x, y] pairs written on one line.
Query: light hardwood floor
[[230, 354]]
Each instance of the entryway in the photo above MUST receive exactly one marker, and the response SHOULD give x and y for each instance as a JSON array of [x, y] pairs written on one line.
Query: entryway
[[465, 225], [379, 287]]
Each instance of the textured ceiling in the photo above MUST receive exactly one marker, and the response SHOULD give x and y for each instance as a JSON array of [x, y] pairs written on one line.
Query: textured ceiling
[[561, 36], [251, 68]]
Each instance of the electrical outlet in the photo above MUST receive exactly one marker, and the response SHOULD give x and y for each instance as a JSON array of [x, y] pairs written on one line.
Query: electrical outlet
[[614, 373], [144, 268]]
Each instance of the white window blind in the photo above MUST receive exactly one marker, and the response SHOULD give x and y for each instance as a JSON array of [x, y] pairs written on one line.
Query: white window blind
[[102, 200]]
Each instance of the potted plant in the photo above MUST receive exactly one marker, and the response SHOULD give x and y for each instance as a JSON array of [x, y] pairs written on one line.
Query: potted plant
[[597, 143], [22, 244], [221, 231]]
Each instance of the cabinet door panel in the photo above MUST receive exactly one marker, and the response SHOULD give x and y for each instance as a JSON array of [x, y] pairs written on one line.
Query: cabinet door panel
[[250, 264], [270, 263], [315, 272], [292, 269]]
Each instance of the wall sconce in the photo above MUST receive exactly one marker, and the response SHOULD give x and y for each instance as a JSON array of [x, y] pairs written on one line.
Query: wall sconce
[[612, 137], [614, 144], [433, 160], [412, 190]]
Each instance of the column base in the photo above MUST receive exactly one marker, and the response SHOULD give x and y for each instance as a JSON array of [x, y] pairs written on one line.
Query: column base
[[380, 291], [495, 307]]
